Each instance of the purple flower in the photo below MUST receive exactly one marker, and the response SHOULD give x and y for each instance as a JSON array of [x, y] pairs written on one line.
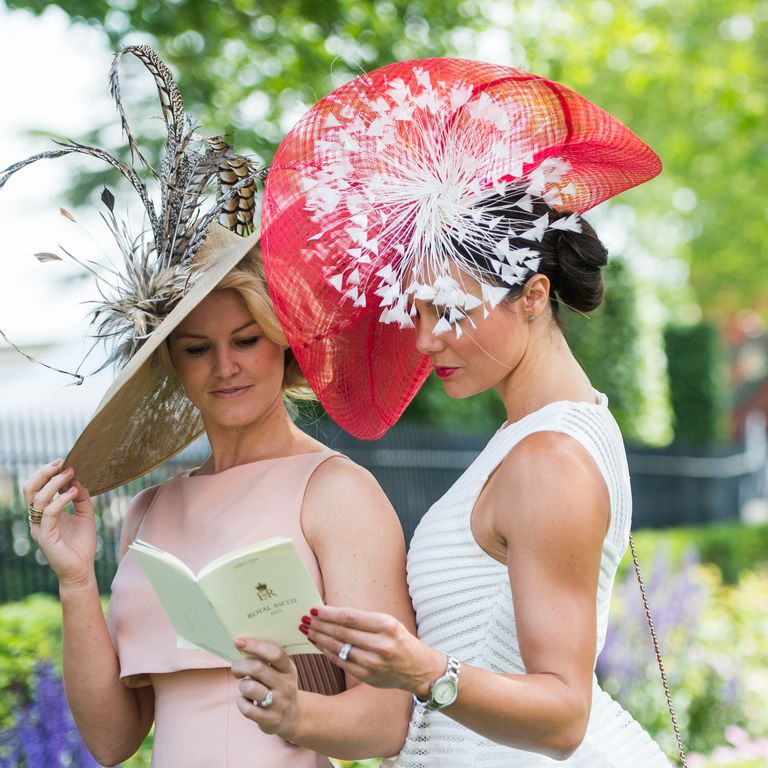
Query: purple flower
[[676, 600], [45, 734]]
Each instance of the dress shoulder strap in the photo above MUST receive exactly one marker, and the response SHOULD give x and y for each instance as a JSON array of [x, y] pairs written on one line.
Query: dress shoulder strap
[[595, 429], [138, 510]]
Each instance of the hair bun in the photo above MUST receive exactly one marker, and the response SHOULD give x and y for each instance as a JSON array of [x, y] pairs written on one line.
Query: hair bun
[[580, 258]]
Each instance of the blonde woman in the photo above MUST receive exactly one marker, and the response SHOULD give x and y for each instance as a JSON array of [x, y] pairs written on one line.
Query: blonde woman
[[201, 351]]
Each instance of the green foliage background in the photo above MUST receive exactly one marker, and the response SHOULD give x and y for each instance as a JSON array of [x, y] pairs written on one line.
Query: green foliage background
[[689, 77], [606, 343], [696, 365]]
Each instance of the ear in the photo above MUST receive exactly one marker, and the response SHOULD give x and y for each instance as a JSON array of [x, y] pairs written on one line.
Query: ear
[[535, 295]]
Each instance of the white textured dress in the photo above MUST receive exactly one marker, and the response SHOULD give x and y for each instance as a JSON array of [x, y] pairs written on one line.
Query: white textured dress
[[463, 604]]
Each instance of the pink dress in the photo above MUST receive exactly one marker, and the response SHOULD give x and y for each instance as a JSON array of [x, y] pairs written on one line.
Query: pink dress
[[198, 518]]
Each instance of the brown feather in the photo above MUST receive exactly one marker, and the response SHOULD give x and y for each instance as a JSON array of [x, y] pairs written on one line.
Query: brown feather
[[200, 180]]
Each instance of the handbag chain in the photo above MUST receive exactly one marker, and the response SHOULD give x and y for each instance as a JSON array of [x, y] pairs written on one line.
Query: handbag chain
[[655, 640]]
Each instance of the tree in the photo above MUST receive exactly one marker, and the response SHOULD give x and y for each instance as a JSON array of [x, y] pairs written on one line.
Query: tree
[[605, 343], [689, 77], [697, 382], [249, 69]]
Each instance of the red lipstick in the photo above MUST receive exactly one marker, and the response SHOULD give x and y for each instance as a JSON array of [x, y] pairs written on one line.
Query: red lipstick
[[444, 373]]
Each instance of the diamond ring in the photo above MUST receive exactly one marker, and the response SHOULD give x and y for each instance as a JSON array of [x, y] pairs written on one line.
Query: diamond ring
[[266, 702]]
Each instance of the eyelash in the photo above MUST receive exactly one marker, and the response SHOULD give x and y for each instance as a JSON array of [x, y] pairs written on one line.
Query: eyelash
[[440, 312], [241, 343]]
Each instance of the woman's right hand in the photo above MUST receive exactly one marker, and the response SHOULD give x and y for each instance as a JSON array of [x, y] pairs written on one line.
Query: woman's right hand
[[67, 541]]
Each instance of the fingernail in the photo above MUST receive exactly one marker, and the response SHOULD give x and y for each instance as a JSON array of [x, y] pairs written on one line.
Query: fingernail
[[314, 611], [303, 628], [306, 620], [239, 643], [56, 462]]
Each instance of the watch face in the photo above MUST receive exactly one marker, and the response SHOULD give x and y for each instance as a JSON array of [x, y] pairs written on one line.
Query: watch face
[[444, 692]]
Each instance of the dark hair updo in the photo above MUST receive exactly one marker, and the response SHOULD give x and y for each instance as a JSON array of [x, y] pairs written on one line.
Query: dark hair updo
[[572, 261]]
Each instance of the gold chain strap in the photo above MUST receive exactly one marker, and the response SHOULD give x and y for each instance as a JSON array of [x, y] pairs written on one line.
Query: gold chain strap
[[675, 727]]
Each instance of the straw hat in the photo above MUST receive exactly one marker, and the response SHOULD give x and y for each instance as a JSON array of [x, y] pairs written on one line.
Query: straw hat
[[403, 178], [162, 275], [145, 417]]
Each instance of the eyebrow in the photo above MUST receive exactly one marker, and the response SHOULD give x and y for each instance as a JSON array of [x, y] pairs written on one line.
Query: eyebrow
[[198, 336]]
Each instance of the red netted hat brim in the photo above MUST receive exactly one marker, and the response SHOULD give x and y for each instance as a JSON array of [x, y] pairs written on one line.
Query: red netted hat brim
[[365, 371]]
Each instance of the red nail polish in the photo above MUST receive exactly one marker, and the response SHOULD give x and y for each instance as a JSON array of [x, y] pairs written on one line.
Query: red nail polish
[[306, 620], [314, 611], [303, 628]]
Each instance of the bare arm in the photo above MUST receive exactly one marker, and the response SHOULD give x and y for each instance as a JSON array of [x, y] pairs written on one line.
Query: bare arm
[[359, 545], [113, 720], [553, 533]]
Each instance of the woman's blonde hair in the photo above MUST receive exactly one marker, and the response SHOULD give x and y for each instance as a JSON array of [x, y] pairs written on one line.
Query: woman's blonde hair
[[247, 278]]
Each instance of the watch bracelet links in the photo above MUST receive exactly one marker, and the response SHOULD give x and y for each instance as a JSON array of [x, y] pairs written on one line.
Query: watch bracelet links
[[452, 669]]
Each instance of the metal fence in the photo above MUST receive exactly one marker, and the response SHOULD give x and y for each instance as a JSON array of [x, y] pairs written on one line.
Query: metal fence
[[415, 465]]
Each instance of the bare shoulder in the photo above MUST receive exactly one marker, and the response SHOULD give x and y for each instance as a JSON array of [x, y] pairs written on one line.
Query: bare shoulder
[[341, 470], [341, 493], [548, 454], [357, 539], [555, 484], [340, 485]]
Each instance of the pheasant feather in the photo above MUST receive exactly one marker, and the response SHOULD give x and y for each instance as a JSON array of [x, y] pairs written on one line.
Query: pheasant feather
[[200, 180]]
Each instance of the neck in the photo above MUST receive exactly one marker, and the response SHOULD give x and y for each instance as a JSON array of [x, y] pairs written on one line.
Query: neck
[[272, 435], [546, 373]]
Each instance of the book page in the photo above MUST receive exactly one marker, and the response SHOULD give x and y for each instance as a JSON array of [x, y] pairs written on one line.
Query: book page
[[263, 594], [237, 554], [190, 612]]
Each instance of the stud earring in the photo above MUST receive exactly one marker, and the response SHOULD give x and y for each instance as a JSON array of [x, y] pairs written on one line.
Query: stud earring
[[531, 318]]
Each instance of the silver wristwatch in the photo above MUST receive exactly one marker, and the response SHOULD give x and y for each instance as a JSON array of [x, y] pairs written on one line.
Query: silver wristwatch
[[444, 691]]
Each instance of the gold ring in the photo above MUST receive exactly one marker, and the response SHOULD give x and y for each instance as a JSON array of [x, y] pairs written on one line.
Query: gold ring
[[34, 514]]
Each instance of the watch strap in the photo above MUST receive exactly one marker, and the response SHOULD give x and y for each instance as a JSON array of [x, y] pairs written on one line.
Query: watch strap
[[452, 669]]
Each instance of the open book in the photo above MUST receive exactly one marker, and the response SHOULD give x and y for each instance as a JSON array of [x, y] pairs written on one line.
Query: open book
[[259, 591]]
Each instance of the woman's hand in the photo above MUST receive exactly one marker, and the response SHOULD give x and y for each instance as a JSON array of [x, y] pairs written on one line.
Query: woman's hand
[[383, 653], [67, 541], [267, 676]]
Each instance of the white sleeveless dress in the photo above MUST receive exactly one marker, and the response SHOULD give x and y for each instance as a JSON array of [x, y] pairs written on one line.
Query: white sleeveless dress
[[463, 604]]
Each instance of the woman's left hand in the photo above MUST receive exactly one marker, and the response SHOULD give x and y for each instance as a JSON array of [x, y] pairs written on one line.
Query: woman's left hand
[[267, 676], [383, 652]]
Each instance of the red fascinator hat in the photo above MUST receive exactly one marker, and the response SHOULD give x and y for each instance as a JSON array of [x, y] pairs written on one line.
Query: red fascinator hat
[[372, 190]]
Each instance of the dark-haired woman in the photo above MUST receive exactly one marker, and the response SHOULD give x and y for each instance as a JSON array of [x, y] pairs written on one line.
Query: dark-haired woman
[[539, 521], [462, 239]]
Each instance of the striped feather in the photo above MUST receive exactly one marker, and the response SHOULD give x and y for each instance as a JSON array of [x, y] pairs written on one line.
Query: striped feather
[[200, 180]]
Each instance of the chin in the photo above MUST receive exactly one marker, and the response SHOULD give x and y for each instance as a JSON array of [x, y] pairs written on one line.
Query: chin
[[464, 389], [458, 392], [233, 416]]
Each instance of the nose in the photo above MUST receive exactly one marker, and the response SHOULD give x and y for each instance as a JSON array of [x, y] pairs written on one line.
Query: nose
[[426, 341], [225, 364]]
